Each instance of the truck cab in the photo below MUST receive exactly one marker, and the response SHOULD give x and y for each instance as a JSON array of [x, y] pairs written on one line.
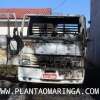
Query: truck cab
[[54, 49]]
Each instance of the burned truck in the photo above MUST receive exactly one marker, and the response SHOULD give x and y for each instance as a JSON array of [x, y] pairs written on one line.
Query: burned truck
[[53, 49]]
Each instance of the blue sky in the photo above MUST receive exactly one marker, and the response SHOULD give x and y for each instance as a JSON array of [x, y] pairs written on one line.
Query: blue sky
[[60, 6]]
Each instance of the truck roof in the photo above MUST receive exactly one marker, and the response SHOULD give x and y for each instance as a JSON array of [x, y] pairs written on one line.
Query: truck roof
[[67, 15], [72, 19]]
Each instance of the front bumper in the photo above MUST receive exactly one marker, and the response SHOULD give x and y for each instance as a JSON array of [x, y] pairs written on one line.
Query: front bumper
[[34, 75]]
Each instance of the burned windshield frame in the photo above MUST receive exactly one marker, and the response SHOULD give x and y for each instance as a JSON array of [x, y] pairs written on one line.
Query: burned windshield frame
[[58, 28], [40, 26], [50, 28]]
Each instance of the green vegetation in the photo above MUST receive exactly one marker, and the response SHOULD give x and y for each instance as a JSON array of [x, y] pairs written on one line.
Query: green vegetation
[[8, 70]]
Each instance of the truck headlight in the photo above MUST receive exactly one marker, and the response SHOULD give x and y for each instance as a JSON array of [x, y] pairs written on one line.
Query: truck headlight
[[77, 63], [25, 60]]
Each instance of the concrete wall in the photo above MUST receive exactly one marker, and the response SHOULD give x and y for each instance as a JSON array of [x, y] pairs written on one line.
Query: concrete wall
[[94, 34], [4, 28]]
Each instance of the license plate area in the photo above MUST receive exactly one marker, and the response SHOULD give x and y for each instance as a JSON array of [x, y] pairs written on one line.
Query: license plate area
[[49, 76]]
